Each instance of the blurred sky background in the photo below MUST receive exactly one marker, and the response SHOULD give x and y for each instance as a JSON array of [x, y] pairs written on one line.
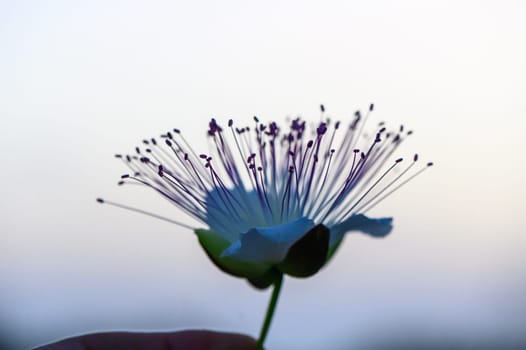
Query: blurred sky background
[[82, 80]]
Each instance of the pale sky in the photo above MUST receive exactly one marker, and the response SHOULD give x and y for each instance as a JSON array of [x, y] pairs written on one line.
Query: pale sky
[[80, 81]]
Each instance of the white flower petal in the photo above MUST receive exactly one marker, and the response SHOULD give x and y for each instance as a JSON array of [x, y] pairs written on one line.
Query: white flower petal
[[268, 244], [221, 219], [380, 227]]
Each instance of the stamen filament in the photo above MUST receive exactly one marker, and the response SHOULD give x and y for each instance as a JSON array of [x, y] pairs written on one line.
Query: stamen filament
[[365, 210], [122, 206]]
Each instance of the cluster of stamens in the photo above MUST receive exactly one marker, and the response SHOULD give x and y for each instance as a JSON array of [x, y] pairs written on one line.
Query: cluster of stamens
[[264, 176]]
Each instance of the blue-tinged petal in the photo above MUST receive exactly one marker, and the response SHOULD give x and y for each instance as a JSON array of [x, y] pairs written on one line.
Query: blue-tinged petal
[[268, 244], [242, 212], [380, 227]]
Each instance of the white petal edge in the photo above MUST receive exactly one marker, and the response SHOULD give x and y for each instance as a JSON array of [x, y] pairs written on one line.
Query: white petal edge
[[268, 244], [380, 227]]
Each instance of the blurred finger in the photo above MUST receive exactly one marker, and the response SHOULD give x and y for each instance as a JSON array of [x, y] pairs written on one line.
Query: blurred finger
[[195, 339]]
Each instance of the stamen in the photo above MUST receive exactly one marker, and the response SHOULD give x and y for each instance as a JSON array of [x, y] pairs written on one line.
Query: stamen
[[372, 187], [260, 169], [365, 210], [122, 206], [297, 176], [364, 205]]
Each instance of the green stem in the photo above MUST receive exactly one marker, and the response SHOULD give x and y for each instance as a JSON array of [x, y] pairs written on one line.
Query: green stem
[[270, 311]]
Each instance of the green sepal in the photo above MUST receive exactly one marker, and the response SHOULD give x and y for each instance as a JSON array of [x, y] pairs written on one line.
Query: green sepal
[[333, 249], [308, 255], [214, 245], [266, 280]]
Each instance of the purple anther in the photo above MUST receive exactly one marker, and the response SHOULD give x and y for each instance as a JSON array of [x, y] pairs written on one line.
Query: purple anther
[[321, 129], [213, 127]]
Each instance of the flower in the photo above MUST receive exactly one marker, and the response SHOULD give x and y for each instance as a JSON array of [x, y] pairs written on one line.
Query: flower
[[276, 201]]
